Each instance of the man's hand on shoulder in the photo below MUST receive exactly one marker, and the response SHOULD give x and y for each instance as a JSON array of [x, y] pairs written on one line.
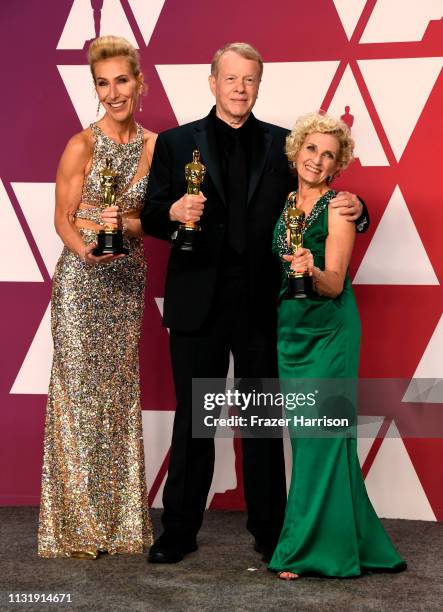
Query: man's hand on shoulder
[[349, 205]]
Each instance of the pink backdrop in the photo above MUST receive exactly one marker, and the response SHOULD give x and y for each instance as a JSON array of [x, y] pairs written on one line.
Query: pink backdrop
[[383, 58]]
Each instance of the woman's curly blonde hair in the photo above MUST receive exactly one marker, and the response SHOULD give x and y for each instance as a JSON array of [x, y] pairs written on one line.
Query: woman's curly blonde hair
[[323, 124]]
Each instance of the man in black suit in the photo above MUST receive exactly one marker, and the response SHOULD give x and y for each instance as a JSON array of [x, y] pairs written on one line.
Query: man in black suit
[[222, 298]]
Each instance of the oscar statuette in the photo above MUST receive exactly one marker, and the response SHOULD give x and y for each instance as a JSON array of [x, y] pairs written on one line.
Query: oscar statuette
[[109, 240], [187, 233], [299, 283]]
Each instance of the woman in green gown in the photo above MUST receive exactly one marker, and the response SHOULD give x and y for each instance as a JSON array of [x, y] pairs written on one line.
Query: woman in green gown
[[330, 526]]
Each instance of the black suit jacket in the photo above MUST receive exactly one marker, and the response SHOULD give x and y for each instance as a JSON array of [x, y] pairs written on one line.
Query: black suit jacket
[[191, 278]]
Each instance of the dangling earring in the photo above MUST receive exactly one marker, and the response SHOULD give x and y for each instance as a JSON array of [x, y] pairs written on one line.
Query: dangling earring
[[140, 101], [98, 109]]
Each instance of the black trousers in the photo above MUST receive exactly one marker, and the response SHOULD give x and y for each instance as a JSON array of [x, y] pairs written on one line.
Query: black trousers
[[205, 354]]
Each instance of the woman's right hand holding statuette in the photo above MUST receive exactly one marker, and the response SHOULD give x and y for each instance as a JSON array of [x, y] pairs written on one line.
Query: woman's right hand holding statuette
[[299, 276]]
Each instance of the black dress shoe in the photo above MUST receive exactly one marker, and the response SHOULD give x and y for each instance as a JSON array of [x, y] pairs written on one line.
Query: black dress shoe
[[266, 550], [163, 551]]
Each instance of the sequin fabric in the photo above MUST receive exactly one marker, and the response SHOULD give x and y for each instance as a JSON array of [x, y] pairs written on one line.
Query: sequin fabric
[[94, 493]]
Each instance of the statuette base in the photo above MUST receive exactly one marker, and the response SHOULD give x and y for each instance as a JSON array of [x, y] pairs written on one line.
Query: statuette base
[[187, 238], [299, 287], [110, 242]]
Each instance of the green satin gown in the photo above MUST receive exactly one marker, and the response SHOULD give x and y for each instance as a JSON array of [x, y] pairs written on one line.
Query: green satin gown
[[330, 526]]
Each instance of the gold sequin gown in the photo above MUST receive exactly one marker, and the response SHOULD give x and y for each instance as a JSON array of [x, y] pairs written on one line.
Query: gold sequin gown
[[94, 493]]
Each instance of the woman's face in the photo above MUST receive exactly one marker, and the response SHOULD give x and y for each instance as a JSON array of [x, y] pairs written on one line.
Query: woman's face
[[117, 87], [317, 158]]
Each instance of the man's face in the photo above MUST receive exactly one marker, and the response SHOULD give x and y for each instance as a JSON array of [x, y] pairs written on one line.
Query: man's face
[[235, 87]]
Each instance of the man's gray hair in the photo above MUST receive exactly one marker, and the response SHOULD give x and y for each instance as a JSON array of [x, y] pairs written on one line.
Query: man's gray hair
[[244, 49]]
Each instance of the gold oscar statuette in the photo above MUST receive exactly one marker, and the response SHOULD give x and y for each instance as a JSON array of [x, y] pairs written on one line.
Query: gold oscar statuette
[[299, 284], [195, 171], [109, 240]]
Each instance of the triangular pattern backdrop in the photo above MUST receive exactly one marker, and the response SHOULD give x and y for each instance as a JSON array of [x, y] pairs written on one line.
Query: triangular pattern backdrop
[[380, 58]]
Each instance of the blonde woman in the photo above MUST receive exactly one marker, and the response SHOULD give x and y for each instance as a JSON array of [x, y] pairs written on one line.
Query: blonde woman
[[330, 526], [93, 485]]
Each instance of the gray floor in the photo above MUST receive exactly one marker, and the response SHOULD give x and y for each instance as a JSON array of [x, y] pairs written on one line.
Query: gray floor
[[224, 574]]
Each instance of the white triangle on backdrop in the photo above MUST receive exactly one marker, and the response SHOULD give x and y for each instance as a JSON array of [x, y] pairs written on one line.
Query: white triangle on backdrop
[[80, 88], [225, 477], [37, 203], [279, 101], [368, 427], [399, 89], [35, 372], [17, 263], [400, 20], [396, 255], [157, 434], [159, 301], [187, 88], [287, 451], [349, 13], [393, 485], [79, 26], [426, 385], [424, 391], [368, 147], [431, 363], [146, 14]]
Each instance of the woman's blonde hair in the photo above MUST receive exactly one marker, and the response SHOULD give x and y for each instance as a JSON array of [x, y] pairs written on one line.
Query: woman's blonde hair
[[105, 47], [323, 124]]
